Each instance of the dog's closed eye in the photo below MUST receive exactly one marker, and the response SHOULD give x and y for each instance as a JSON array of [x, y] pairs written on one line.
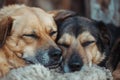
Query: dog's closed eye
[[87, 43], [52, 33], [31, 35], [63, 45]]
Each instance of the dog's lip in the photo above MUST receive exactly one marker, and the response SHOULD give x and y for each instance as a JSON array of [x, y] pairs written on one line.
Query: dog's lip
[[56, 65], [29, 62], [52, 66]]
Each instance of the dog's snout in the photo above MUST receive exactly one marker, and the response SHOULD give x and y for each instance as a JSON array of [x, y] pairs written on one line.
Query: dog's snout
[[55, 54], [75, 63]]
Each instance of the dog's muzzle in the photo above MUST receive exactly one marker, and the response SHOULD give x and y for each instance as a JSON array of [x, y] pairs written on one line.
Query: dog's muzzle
[[48, 58]]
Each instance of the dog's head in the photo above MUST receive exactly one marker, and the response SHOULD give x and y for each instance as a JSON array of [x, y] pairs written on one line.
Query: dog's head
[[82, 40], [30, 34]]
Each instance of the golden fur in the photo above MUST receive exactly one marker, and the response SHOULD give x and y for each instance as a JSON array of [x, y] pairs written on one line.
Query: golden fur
[[16, 22]]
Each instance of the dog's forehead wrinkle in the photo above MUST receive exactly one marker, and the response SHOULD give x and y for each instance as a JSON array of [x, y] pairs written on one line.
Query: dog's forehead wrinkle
[[28, 25]]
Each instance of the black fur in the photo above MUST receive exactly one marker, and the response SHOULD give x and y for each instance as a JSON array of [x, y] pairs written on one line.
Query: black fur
[[105, 34]]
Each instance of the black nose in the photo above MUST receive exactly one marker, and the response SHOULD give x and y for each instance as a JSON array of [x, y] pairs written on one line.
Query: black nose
[[55, 54], [75, 63]]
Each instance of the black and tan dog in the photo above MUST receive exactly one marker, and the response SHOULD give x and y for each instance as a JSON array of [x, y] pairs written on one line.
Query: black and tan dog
[[83, 41]]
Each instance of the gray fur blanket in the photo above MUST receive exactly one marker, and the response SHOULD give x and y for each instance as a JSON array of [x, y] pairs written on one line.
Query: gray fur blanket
[[39, 72]]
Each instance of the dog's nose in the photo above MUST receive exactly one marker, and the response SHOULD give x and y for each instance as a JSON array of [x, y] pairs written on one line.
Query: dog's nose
[[75, 63], [75, 66], [55, 54]]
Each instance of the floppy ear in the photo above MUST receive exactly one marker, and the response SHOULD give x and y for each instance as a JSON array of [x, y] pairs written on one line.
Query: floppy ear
[[5, 29], [61, 15], [104, 33]]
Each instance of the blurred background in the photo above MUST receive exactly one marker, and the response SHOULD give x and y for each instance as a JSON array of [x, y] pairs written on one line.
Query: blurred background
[[107, 11]]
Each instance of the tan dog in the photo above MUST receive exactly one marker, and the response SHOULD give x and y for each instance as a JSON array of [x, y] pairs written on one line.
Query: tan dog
[[27, 34]]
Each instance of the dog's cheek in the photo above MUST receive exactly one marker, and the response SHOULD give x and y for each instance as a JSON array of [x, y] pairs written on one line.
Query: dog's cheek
[[96, 55], [27, 46], [15, 44], [28, 51], [18, 45]]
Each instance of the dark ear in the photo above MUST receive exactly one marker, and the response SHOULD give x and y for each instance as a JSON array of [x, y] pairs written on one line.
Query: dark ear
[[5, 29], [104, 33], [61, 15], [114, 57]]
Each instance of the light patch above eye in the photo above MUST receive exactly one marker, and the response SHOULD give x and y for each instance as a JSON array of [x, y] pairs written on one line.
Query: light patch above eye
[[65, 39], [86, 36]]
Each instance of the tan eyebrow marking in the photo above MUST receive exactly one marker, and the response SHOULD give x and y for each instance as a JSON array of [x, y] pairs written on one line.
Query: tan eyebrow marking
[[86, 36]]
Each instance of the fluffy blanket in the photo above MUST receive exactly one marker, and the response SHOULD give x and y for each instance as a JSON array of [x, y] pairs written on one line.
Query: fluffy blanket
[[39, 72]]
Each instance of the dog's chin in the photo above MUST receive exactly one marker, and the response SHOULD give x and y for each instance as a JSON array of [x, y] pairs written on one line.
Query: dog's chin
[[50, 66]]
